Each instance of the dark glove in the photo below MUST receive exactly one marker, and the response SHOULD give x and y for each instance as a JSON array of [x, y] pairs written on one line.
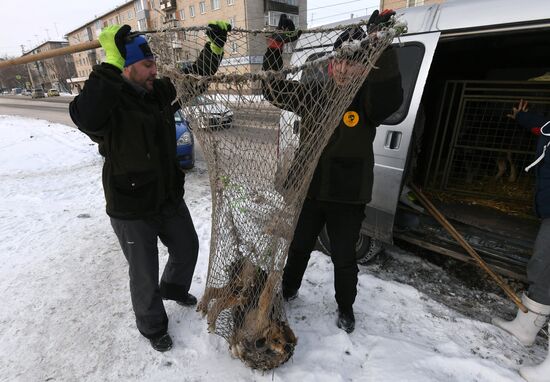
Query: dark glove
[[378, 19], [217, 34], [113, 40], [350, 34], [286, 32]]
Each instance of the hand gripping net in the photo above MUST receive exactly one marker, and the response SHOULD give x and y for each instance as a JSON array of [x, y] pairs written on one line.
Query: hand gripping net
[[260, 162]]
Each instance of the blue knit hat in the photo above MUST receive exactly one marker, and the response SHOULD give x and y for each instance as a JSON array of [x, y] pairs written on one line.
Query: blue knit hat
[[136, 50]]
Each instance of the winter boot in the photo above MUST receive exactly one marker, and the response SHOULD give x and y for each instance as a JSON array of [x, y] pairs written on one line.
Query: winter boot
[[188, 300], [539, 373], [346, 319], [290, 294], [161, 342], [526, 325]]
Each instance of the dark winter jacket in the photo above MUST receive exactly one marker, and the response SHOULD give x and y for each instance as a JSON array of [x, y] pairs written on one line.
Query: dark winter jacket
[[136, 134], [344, 172], [533, 121]]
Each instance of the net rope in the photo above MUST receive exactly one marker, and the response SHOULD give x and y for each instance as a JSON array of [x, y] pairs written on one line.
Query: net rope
[[260, 161]]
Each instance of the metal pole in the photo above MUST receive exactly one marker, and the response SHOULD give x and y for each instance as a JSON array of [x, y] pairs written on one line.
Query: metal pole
[[94, 44], [458, 237]]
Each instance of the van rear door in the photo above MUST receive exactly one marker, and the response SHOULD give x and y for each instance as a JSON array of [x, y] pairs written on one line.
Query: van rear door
[[393, 137]]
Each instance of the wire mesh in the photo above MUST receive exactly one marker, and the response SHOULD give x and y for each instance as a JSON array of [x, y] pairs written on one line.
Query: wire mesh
[[260, 161]]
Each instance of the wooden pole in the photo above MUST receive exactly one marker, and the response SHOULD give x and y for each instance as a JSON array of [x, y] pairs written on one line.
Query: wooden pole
[[472, 252], [94, 44]]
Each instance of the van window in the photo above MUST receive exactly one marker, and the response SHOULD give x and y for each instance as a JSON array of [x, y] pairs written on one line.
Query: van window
[[410, 57]]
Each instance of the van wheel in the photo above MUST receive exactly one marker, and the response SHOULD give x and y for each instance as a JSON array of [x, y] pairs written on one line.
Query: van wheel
[[366, 248]]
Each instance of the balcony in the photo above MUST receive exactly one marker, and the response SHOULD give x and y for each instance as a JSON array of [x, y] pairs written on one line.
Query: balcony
[[281, 7], [168, 5]]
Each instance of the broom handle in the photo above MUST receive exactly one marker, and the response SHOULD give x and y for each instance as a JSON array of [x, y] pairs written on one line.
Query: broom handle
[[94, 44], [458, 237]]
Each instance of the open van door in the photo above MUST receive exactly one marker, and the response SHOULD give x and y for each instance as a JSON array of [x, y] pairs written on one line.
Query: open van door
[[393, 138]]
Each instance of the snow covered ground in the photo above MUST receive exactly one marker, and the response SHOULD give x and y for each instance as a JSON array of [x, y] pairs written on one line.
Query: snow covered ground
[[65, 312]]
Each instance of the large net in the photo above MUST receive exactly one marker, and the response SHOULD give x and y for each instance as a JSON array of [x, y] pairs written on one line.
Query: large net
[[262, 133]]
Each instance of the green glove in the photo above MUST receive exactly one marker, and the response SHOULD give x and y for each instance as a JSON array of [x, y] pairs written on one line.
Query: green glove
[[217, 34], [113, 41]]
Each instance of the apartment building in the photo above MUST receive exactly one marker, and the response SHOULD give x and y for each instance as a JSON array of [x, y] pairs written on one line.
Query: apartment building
[[161, 14], [396, 4], [53, 72]]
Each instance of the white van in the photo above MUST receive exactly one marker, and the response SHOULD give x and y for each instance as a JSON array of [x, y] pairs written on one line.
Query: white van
[[464, 65]]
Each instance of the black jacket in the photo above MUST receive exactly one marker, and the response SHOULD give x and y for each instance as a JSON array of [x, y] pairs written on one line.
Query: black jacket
[[136, 134], [344, 172], [542, 169]]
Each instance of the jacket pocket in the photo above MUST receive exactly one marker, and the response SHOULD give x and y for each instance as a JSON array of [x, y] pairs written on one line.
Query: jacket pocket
[[136, 192], [345, 178]]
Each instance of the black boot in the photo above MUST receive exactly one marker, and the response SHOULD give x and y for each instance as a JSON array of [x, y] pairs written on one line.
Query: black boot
[[189, 300], [289, 294], [161, 343], [346, 319]]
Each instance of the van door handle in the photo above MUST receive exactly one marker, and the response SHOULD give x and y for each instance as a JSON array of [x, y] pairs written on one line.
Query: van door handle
[[393, 140]]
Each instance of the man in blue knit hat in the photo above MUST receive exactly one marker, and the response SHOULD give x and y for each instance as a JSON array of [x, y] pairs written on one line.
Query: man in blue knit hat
[[129, 112]]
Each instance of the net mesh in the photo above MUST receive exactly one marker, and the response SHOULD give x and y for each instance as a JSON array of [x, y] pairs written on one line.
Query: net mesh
[[260, 160]]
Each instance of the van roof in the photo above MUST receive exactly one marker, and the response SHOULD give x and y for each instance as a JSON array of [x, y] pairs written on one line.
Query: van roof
[[456, 15]]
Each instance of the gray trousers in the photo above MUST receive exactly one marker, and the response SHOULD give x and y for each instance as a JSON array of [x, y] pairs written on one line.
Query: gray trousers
[[538, 268], [138, 240]]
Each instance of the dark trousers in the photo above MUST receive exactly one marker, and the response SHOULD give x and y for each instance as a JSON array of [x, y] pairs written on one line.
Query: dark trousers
[[138, 240], [538, 268], [343, 223]]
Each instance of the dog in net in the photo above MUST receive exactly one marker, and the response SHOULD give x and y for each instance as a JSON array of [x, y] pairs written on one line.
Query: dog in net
[[262, 125]]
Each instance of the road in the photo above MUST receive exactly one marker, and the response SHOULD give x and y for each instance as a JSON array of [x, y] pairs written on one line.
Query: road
[[257, 124], [54, 109], [250, 123]]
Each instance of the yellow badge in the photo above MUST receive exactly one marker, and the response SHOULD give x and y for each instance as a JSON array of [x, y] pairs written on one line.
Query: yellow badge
[[351, 118]]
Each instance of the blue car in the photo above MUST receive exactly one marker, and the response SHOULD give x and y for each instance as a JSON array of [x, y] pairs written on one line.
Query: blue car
[[185, 144]]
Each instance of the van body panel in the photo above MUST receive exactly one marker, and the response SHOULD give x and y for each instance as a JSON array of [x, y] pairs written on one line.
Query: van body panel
[[468, 14], [472, 14], [390, 160]]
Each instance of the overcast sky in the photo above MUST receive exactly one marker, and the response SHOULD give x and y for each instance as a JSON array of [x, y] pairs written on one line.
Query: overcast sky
[[38, 21]]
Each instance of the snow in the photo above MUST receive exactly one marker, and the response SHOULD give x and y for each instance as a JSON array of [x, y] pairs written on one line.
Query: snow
[[65, 307]]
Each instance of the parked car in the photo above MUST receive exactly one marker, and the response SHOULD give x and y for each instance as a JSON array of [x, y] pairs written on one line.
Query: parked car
[[38, 93], [53, 93], [185, 143], [26, 92], [209, 113], [16, 91]]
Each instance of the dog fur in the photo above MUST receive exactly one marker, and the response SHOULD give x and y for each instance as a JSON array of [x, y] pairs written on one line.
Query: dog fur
[[260, 339]]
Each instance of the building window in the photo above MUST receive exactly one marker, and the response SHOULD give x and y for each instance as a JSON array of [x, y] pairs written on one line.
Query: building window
[[232, 21], [215, 4], [230, 2], [139, 6], [192, 10], [273, 18], [142, 25], [130, 15], [182, 14], [414, 3], [234, 47], [202, 7]]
